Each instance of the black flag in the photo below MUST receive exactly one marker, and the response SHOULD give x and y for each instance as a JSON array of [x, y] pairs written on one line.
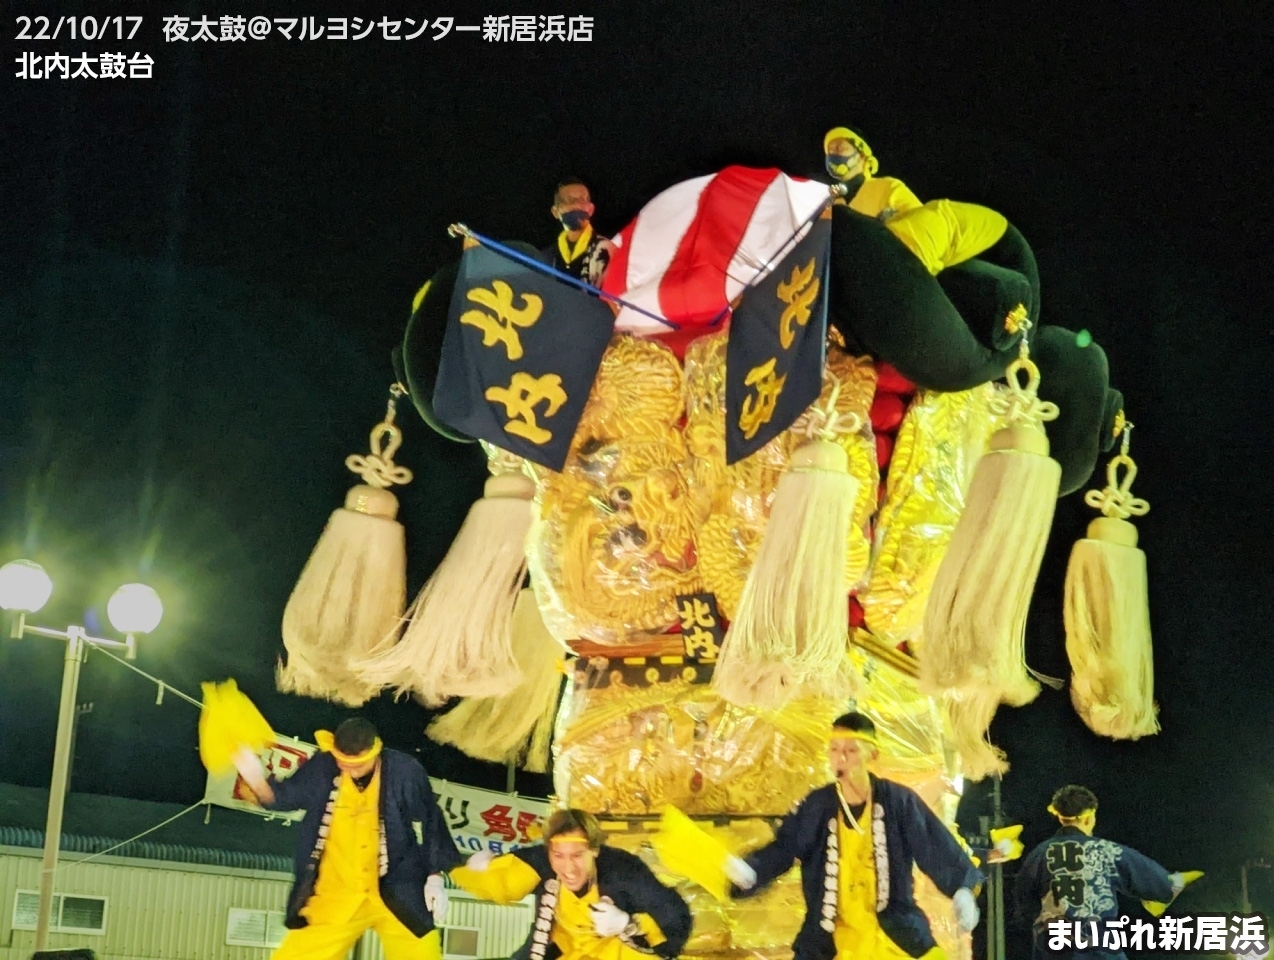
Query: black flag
[[519, 357], [777, 345]]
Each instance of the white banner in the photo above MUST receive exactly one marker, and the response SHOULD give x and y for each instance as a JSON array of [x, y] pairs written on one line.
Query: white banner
[[479, 819]]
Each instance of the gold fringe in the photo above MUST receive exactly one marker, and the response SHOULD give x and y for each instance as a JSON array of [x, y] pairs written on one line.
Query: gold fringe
[[503, 729], [792, 630], [975, 620], [457, 643], [348, 601], [969, 714], [1107, 615], [974, 641]]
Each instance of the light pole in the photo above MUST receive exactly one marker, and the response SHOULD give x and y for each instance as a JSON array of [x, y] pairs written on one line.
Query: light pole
[[133, 609]]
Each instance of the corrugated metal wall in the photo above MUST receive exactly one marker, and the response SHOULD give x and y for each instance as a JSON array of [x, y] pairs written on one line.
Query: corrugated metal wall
[[165, 911], [152, 911]]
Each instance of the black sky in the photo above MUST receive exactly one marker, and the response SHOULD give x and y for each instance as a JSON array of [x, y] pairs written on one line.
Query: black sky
[[201, 277]]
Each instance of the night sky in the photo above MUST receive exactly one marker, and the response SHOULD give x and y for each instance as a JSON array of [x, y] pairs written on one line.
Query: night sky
[[202, 276]]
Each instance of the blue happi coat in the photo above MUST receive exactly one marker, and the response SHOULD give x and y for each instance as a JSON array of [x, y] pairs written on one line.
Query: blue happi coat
[[905, 832], [622, 879], [1072, 876], [417, 841]]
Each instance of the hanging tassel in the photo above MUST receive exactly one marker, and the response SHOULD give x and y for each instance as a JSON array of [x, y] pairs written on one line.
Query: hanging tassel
[[969, 714], [458, 641], [975, 618], [1107, 613], [790, 633], [686, 849], [349, 600], [503, 729]]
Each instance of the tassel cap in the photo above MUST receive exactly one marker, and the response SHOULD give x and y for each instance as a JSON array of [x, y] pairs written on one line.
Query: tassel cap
[[512, 486], [1023, 438], [372, 501], [1113, 530], [820, 455]]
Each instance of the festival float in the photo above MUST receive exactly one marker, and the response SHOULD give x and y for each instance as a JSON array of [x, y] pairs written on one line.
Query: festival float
[[801, 449]]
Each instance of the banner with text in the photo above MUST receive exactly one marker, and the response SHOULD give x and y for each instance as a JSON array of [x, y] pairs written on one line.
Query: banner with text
[[479, 819]]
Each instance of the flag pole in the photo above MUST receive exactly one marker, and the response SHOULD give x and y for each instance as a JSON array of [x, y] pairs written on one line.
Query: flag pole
[[834, 191], [460, 230]]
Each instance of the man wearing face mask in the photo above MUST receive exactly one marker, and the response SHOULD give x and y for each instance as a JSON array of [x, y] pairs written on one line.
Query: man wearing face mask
[[850, 160], [579, 251], [857, 840], [592, 902]]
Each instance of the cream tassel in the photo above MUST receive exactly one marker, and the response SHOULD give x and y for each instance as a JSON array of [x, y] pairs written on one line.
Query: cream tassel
[[1107, 613], [349, 599], [502, 729], [975, 618], [790, 633], [969, 714], [458, 642]]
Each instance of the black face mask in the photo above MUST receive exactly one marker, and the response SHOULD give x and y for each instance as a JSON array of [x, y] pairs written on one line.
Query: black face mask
[[574, 220], [837, 165]]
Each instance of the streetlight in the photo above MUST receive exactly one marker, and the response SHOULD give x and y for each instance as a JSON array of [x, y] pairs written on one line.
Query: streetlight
[[134, 609]]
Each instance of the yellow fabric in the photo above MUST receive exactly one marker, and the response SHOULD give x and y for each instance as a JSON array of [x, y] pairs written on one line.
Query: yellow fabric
[[574, 935], [857, 934], [943, 233], [349, 871], [570, 255], [690, 852], [326, 741], [1010, 834], [333, 941], [506, 879], [878, 194], [420, 296], [1156, 909], [228, 721]]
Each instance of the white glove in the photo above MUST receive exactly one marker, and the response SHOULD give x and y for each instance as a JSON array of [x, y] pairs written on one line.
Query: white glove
[[252, 770], [1004, 847], [739, 873], [966, 910], [480, 860], [1178, 883], [436, 897], [608, 919]]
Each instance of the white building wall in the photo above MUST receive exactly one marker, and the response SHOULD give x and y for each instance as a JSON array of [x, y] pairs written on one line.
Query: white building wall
[[175, 911]]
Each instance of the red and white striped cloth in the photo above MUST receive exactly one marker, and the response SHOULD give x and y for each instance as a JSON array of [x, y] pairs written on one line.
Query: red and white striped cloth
[[694, 247]]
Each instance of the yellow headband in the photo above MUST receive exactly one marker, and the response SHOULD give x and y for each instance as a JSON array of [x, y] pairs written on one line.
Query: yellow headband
[[569, 838], [1079, 816], [839, 733], [326, 741]]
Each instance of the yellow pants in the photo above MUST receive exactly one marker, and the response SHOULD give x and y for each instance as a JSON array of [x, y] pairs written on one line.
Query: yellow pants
[[333, 941]]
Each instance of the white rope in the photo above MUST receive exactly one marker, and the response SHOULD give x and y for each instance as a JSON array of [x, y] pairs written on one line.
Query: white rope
[[124, 843]]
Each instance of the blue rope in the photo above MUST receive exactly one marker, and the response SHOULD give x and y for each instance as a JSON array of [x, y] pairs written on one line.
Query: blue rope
[[510, 254]]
